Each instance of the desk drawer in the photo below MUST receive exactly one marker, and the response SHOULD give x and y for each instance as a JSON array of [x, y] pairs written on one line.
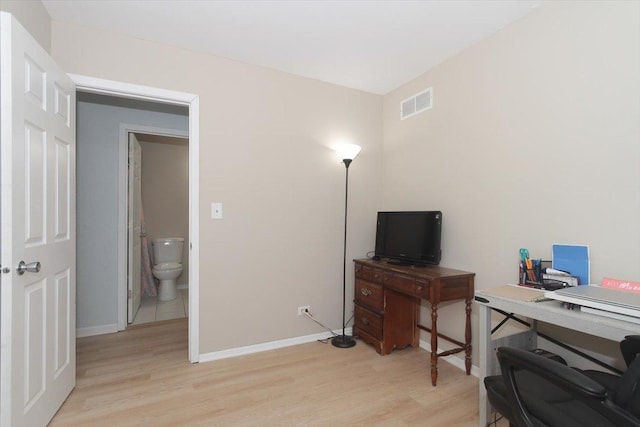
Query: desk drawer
[[406, 284], [358, 270], [369, 294], [369, 273], [402, 283], [422, 288], [369, 322]]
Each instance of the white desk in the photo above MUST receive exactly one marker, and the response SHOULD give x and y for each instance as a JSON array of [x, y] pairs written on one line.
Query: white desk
[[551, 312]]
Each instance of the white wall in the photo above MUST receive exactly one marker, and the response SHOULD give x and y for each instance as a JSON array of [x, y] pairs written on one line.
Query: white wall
[[98, 132], [533, 139]]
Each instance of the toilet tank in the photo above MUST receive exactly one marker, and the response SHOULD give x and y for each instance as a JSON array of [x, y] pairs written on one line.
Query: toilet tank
[[167, 249]]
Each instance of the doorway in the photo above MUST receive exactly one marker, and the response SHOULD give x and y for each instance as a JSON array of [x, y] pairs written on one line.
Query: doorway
[[191, 102], [158, 208]]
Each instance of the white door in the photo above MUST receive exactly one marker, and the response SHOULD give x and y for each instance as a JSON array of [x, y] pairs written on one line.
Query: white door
[[134, 226], [37, 187]]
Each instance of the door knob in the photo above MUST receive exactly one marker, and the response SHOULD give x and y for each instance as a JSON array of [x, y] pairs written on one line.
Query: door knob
[[32, 267]]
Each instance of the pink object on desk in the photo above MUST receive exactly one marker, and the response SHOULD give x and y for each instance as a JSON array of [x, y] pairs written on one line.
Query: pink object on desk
[[621, 285]]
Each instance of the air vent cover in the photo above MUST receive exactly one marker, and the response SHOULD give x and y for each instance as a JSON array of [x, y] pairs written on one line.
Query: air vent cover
[[416, 104]]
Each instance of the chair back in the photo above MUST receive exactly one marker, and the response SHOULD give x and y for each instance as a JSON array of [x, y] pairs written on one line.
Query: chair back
[[630, 348], [586, 402], [627, 393]]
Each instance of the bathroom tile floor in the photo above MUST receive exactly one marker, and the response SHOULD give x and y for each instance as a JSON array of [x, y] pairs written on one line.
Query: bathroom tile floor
[[152, 310]]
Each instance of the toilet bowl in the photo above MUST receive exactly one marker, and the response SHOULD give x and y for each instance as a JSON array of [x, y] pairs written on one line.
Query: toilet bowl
[[167, 273], [167, 254]]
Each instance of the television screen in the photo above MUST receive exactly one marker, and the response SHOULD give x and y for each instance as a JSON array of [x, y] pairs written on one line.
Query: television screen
[[409, 237]]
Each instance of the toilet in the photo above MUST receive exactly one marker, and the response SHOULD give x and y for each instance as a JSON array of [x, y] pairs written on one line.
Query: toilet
[[167, 256]]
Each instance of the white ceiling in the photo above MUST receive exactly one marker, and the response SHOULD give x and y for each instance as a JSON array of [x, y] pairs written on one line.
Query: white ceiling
[[374, 46]]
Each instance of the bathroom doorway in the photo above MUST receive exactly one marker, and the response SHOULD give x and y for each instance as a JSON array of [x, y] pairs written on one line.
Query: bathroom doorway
[[102, 259], [158, 208]]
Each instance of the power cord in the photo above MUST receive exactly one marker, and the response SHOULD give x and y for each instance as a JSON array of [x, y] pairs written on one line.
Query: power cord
[[324, 340], [349, 320], [495, 420], [310, 316]]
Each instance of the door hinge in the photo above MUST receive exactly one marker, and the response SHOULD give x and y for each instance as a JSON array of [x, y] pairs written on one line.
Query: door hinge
[[129, 294]]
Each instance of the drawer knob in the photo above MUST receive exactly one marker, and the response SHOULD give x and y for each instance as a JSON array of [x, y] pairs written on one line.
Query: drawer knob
[[365, 291], [419, 288], [365, 321]]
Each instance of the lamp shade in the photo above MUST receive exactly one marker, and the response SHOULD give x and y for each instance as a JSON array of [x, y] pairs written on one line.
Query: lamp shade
[[348, 151]]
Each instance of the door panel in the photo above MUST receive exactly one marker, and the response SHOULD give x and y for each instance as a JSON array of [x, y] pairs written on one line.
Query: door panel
[[37, 183], [35, 357], [62, 175], [35, 174], [135, 226], [62, 316]]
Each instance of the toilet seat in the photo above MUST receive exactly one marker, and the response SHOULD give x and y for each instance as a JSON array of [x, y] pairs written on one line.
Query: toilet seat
[[167, 266]]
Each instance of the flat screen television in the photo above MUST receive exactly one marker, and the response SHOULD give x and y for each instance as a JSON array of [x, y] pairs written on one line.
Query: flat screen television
[[409, 238]]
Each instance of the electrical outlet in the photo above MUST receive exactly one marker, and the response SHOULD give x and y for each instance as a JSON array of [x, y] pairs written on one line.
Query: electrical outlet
[[304, 308]]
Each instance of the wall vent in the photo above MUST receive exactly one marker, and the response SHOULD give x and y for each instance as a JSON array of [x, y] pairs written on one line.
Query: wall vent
[[416, 104]]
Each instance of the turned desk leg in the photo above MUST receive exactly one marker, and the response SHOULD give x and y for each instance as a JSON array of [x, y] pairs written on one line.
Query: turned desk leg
[[467, 338], [434, 344]]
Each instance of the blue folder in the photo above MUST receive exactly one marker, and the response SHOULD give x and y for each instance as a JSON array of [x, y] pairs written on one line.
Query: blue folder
[[573, 259]]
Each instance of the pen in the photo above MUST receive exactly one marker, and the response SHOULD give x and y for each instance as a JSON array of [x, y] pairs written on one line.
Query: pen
[[537, 269], [530, 273], [524, 257]]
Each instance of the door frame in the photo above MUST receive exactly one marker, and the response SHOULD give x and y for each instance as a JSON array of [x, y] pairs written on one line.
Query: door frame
[[123, 208], [147, 93]]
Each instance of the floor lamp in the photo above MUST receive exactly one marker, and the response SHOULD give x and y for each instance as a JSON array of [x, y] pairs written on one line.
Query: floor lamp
[[346, 153]]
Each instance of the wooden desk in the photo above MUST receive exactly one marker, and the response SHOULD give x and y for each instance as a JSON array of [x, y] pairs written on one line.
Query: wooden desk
[[387, 306], [551, 312]]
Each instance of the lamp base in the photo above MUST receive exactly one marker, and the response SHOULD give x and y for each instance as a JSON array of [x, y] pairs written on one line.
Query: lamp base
[[343, 341]]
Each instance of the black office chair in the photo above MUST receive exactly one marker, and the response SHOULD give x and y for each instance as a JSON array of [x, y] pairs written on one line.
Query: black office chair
[[535, 391], [630, 348]]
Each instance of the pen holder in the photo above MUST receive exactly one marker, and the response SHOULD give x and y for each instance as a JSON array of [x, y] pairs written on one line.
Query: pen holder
[[533, 276], [536, 279]]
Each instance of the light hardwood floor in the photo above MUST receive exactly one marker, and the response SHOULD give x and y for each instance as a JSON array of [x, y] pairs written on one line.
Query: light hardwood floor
[[141, 377]]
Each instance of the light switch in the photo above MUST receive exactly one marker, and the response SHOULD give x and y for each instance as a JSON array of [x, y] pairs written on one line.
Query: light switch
[[216, 210]]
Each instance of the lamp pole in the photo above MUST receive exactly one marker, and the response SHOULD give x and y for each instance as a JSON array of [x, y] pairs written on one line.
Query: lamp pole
[[344, 341]]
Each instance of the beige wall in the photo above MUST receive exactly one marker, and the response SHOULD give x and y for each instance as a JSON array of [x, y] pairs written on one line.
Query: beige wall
[[165, 191], [265, 153], [33, 16], [534, 139]]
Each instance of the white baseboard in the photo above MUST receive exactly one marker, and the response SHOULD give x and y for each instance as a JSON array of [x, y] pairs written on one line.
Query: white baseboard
[[257, 348], [96, 330], [455, 361], [272, 345]]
